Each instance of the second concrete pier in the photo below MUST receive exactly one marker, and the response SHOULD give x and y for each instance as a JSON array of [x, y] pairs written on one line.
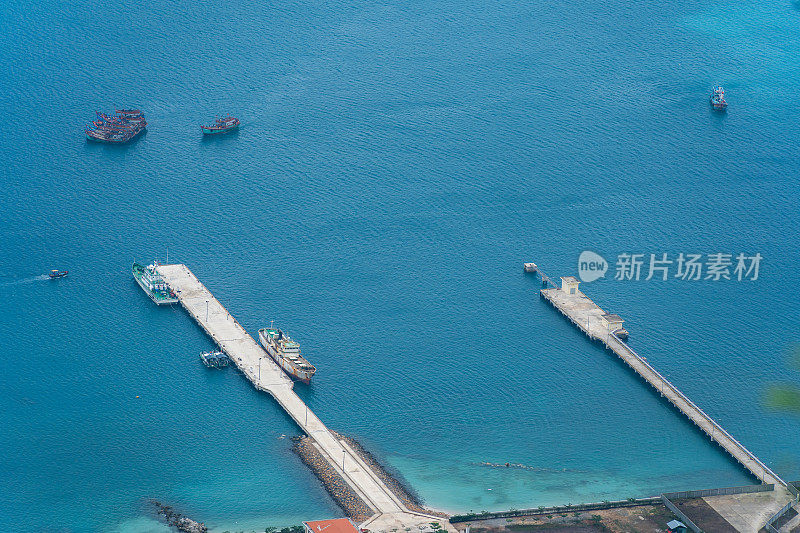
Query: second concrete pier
[[593, 321]]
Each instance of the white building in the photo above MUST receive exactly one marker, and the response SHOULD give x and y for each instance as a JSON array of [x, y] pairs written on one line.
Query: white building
[[612, 322], [569, 284]]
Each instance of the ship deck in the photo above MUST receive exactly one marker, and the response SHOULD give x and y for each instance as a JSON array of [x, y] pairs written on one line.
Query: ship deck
[[297, 360]]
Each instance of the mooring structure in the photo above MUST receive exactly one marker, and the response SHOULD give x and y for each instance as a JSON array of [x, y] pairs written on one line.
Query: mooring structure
[[606, 328], [390, 514]]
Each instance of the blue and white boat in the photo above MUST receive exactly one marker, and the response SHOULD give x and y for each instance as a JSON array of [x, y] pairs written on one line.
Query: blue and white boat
[[718, 99]]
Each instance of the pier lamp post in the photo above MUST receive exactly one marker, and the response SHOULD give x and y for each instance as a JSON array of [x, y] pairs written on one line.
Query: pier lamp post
[[344, 453], [206, 310], [259, 369]]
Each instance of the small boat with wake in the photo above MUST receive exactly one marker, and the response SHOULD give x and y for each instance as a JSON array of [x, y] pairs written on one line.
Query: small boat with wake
[[55, 274], [221, 125], [718, 99]]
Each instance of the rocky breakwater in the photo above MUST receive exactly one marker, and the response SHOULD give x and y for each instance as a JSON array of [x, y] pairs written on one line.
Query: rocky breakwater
[[174, 519], [392, 479], [336, 486]]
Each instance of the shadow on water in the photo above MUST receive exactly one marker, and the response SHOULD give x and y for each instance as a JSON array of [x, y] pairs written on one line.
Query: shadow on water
[[113, 147], [718, 116], [221, 137]]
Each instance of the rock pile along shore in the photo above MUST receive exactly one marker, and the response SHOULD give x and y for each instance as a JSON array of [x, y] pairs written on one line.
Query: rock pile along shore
[[339, 490], [178, 521], [396, 484]]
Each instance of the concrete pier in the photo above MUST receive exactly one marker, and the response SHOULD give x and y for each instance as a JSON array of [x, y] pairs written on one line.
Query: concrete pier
[[587, 316], [389, 512]]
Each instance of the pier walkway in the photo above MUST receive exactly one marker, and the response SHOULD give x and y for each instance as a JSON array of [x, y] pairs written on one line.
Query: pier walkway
[[265, 375], [585, 314]]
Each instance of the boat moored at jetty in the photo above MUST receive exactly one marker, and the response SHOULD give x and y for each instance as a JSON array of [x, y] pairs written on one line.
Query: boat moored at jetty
[[117, 129], [286, 353], [221, 125], [55, 274], [718, 99], [153, 284], [214, 359]]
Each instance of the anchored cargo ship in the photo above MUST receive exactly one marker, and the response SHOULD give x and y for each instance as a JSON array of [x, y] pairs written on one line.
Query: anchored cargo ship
[[286, 353], [153, 284], [221, 125]]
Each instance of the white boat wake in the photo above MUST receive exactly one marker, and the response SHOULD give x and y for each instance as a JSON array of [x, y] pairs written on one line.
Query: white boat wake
[[42, 277]]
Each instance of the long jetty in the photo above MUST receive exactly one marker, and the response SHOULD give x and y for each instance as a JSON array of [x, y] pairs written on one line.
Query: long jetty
[[588, 317], [258, 367]]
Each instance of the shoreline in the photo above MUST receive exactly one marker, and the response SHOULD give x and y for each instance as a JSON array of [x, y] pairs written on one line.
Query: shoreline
[[393, 479]]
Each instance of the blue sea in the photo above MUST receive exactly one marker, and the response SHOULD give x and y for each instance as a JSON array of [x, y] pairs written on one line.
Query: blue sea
[[397, 164]]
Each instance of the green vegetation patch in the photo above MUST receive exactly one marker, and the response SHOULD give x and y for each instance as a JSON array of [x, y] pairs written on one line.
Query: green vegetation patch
[[783, 398]]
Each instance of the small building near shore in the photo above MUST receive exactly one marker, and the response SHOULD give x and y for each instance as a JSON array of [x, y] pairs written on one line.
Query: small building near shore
[[676, 526], [335, 525], [569, 284]]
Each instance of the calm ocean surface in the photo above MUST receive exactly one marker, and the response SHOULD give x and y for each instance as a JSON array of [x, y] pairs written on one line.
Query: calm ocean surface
[[397, 164]]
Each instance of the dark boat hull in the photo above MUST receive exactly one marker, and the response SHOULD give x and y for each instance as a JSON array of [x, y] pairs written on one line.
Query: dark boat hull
[[115, 141], [217, 131]]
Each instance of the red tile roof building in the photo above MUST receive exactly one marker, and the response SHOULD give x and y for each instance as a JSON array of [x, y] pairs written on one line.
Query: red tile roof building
[[336, 525]]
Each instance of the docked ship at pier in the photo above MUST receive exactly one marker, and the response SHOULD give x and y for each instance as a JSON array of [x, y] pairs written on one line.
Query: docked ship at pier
[[153, 284], [286, 352], [120, 128]]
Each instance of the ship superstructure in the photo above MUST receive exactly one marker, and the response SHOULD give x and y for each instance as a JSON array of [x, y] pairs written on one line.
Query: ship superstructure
[[153, 284], [221, 125], [286, 352], [717, 99]]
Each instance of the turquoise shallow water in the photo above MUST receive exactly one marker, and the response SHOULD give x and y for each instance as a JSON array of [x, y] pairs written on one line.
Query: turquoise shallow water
[[398, 162]]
